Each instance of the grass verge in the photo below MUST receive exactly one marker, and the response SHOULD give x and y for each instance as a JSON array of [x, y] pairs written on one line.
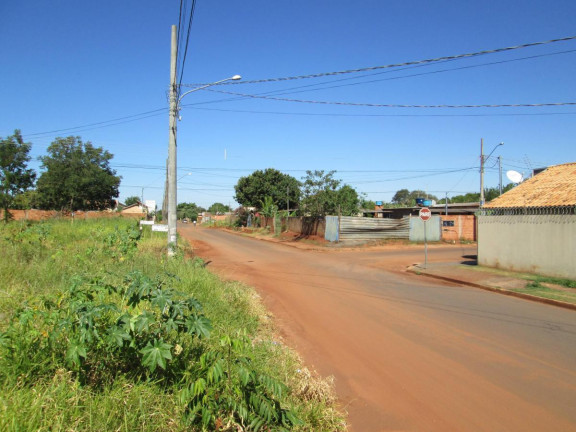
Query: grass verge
[[99, 331]]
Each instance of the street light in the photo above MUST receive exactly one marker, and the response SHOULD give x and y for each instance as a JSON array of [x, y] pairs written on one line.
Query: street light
[[483, 159], [174, 109]]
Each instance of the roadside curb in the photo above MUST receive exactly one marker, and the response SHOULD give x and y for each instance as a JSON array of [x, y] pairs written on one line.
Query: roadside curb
[[419, 272]]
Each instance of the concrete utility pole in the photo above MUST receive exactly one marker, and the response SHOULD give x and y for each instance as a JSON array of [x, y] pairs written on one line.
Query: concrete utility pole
[[481, 172], [172, 234], [500, 174]]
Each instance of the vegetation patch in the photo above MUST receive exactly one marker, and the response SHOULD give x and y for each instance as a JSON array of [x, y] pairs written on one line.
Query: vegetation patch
[[99, 331]]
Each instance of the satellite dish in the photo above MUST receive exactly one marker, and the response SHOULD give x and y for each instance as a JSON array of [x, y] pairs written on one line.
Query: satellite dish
[[514, 176]]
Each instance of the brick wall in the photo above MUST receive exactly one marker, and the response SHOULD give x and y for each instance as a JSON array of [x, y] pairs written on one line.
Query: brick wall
[[36, 215], [464, 228]]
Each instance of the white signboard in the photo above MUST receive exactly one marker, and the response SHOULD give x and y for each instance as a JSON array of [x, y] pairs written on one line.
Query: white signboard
[[143, 222], [150, 205], [158, 227]]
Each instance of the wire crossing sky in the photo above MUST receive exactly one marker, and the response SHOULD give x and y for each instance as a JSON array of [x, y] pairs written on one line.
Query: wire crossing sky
[[448, 74]]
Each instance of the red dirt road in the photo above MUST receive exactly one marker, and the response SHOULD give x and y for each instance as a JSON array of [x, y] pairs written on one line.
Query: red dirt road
[[410, 354]]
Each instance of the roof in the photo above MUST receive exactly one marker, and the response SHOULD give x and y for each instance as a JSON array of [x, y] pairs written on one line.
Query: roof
[[553, 187]]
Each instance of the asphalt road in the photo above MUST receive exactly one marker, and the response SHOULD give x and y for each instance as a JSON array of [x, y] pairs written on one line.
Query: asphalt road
[[407, 353]]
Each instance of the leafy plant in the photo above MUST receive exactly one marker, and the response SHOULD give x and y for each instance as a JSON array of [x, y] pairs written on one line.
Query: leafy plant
[[229, 391], [122, 243], [99, 330]]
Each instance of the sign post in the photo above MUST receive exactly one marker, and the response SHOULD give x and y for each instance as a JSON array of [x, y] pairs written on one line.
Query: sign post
[[425, 214]]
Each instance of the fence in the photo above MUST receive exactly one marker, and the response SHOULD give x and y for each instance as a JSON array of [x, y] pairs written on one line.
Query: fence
[[347, 228]]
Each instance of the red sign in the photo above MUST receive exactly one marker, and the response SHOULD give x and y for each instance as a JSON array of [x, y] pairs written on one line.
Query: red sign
[[425, 213]]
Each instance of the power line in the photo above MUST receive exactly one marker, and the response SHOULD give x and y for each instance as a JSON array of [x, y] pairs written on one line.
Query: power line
[[289, 91], [191, 18], [114, 122], [409, 63], [373, 105], [375, 115]]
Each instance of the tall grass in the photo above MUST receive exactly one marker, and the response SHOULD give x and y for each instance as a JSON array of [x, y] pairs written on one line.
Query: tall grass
[[238, 378]]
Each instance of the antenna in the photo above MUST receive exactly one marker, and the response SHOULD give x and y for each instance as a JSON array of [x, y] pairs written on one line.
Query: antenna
[[514, 176]]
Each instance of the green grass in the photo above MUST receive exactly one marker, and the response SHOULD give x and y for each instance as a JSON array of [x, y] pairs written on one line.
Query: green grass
[[535, 288], [51, 272]]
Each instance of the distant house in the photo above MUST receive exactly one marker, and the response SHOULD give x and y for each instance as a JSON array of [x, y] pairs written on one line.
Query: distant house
[[532, 227], [136, 210]]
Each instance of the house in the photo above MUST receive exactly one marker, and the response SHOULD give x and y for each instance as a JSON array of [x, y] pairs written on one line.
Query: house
[[136, 210], [532, 228]]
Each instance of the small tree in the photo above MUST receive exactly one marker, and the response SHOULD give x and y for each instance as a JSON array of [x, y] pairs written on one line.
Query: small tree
[[323, 195], [131, 200], [188, 211], [15, 177], [218, 208]]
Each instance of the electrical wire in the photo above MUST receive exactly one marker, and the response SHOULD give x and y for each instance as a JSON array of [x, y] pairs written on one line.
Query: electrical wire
[[374, 115], [191, 18], [102, 124], [548, 104], [408, 63]]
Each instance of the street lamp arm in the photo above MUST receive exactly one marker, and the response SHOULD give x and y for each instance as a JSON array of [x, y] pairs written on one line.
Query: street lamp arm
[[493, 150], [235, 77]]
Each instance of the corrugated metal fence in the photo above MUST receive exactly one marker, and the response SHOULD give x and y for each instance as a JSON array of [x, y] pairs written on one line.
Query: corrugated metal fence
[[358, 228]]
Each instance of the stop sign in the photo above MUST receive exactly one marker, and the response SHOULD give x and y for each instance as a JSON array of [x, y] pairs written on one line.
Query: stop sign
[[425, 213]]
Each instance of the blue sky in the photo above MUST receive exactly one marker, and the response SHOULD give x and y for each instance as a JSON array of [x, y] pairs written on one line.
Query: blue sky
[[68, 64]]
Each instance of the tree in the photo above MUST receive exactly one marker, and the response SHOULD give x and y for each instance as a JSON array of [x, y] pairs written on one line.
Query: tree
[[489, 195], [131, 200], [188, 211], [77, 176], [406, 198], [218, 208], [15, 177], [282, 188], [322, 195]]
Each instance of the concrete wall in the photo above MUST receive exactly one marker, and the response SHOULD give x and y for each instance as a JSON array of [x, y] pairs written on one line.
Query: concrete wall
[[431, 228], [541, 244], [307, 225]]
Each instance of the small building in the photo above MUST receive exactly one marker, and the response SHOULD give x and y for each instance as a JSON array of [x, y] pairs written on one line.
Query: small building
[[136, 210], [458, 220], [532, 228]]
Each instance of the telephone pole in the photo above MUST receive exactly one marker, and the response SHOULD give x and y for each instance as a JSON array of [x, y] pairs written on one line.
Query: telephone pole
[[172, 234], [481, 172]]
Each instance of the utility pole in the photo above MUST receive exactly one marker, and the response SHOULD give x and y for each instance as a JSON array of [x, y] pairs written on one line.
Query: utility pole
[[172, 232], [481, 172], [500, 173]]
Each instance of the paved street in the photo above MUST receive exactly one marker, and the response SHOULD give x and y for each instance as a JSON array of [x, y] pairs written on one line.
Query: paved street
[[410, 353]]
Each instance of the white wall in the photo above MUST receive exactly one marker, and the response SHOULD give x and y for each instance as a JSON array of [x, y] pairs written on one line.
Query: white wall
[[541, 244]]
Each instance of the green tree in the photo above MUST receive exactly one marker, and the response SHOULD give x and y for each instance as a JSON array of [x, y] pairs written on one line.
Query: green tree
[[219, 208], [282, 188], [489, 195], [322, 195], [15, 177], [406, 198], [188, 211], [131, 200], [77, 176], [347, 201]]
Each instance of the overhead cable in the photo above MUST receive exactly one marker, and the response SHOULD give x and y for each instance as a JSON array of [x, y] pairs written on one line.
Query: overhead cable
[[392, 105], [371, 68]]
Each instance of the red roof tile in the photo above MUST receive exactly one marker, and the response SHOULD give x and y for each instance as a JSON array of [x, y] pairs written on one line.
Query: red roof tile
[[555, 186]]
